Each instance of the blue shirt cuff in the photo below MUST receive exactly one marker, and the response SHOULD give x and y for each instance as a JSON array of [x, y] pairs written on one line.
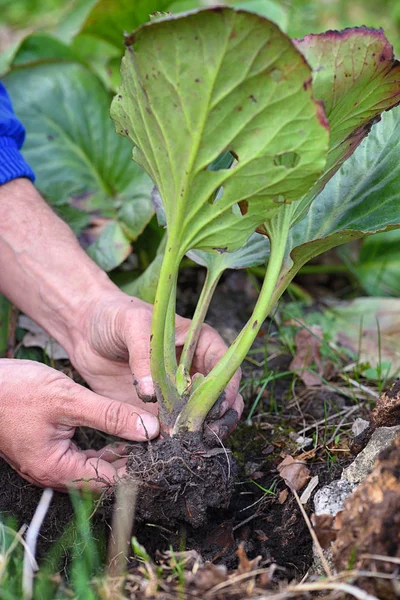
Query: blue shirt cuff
[[12, 163]]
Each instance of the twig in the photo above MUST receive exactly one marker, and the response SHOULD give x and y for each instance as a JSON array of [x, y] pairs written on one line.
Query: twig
[[121, 528], [324, 562], [346, 411], [236, 579], [253, 516], [390, 559], [31, 539], [360, 386], [319, 587]]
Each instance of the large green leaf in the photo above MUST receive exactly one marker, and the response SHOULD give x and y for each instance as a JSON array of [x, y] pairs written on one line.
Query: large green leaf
[[369, 328], [111, 248], [362, 199], [357, 78], [73, 149], [78, 12], [103, 58], [267, 8], [110, 19], [377, 265], [252, 254], [214, 81]]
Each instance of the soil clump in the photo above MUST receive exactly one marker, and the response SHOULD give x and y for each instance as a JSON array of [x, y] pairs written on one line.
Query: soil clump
[[179, 479]]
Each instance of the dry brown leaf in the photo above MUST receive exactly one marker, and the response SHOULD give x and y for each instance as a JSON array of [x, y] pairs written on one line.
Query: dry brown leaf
[[294, 473], [308, 351], [223, 535], [307, 454], [326, 527], [210, 575], [283, 495], [246, 565], [39, 338]]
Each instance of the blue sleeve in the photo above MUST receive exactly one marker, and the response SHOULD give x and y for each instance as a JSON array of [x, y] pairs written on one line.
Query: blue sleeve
[[12, 135]]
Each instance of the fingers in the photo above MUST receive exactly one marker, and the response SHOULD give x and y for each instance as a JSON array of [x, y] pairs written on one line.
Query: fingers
[[111, 416], [223, 420], [111, 453], [77, 471], [70, 467], [221, 428], [92, 474], [136, 333]]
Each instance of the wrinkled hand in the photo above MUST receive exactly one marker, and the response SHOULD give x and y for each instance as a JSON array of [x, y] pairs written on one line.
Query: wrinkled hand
[[113, 353], [39, 410]]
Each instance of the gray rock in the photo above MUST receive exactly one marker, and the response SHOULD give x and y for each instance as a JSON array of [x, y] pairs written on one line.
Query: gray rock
[[330, 499], [364, 463], [359, 426]]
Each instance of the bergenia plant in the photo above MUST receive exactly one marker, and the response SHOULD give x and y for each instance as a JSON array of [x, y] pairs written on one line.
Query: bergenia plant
[[240, 129]]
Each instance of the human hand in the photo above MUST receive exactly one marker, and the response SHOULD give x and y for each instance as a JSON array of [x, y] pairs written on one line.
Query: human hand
[[39, 410], [113, 351]]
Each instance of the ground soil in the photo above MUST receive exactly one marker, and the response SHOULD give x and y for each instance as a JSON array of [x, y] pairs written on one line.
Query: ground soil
[[262, 515]]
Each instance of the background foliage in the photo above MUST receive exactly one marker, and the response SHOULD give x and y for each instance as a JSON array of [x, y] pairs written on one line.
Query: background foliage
[[65, 56]]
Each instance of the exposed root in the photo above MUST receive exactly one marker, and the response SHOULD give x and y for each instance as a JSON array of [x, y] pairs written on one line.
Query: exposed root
[[179, 479]]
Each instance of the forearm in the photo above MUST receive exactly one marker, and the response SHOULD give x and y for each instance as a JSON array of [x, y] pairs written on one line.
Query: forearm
[[43, 270]]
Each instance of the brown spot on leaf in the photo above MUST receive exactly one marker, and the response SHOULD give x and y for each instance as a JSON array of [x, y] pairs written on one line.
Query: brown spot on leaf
[[129, 40], [321, 114]]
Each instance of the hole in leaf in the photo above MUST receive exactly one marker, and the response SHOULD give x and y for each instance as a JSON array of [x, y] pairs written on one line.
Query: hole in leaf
[[223, 161], [289, 160], [219, 192], [242, 208]]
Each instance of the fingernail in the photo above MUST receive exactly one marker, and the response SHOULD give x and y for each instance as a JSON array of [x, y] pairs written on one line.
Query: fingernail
[[145, 389], [224, 407], [148, 426]]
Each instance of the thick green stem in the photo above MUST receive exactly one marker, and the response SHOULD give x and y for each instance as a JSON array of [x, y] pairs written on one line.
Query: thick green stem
[[162, 330], [206, 394], [193, 334], [171, 364]]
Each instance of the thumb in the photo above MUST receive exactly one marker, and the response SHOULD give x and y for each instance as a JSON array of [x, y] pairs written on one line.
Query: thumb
[[111, 416]]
